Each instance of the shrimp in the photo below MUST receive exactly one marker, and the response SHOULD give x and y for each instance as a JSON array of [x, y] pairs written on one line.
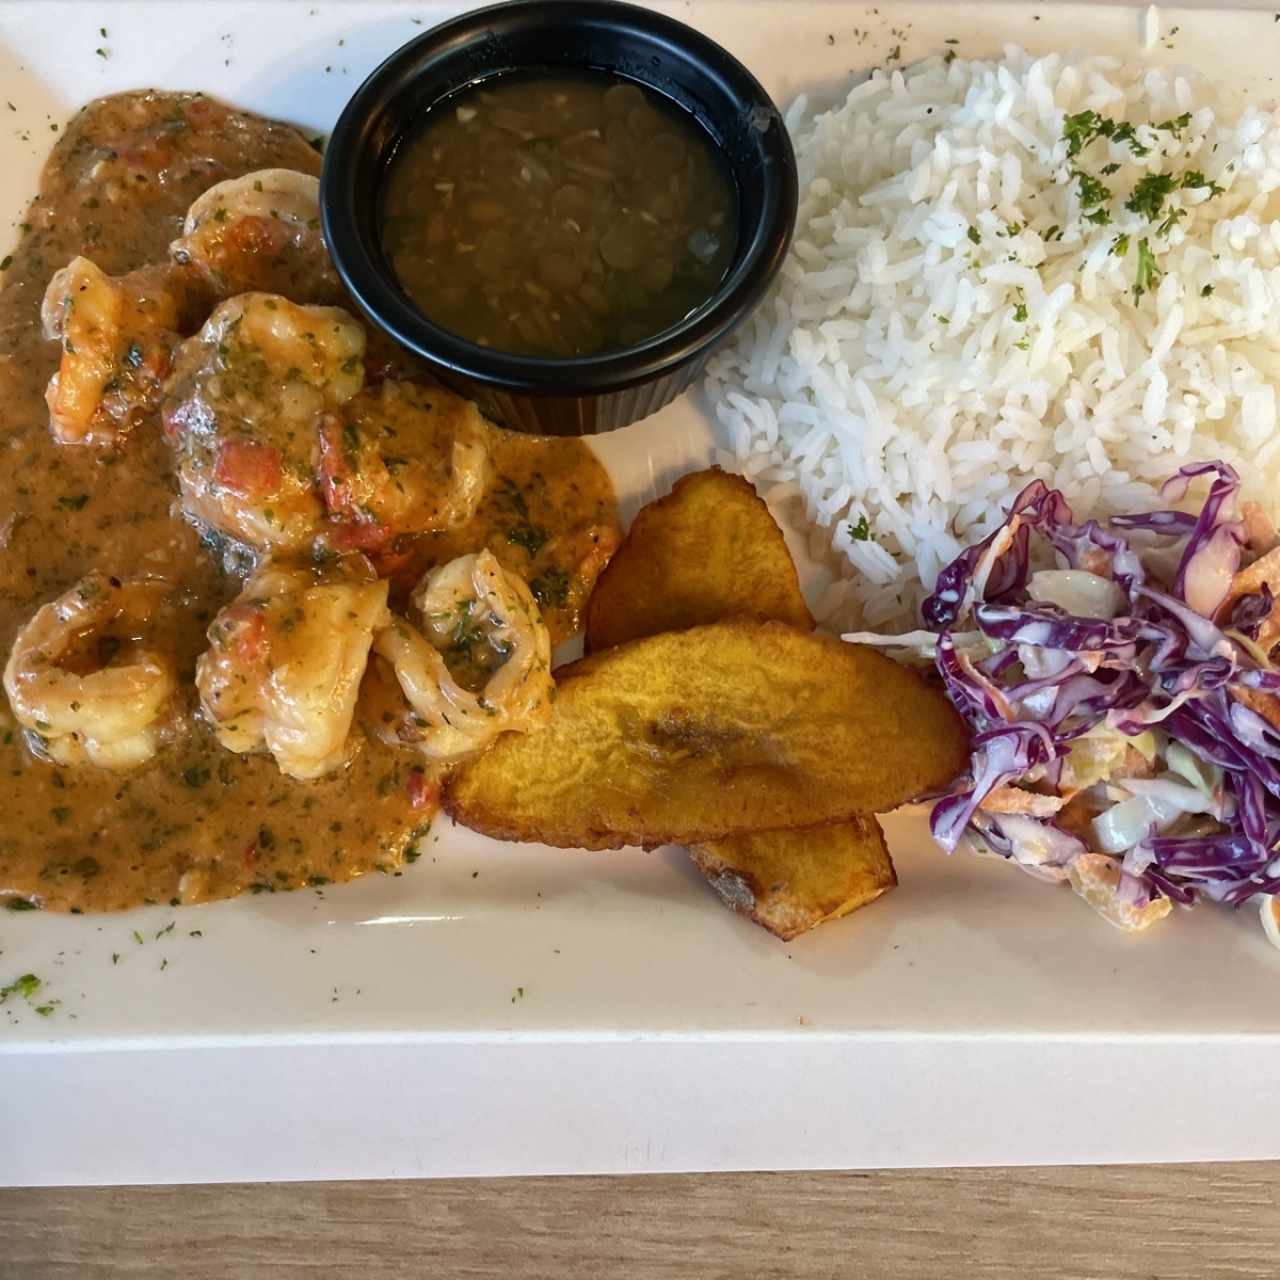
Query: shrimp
[[117, 337], [242, 409], [260, 233], [400, 460], [284, 665], [87, 678], [480, 666]]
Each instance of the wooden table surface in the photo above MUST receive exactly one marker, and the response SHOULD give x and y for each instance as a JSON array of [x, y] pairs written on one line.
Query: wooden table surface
[[1203, 1222]]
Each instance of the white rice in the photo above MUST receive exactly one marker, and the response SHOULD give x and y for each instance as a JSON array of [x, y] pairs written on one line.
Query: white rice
[[888, 376]]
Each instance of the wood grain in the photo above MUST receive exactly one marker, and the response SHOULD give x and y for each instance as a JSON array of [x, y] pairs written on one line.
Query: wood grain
[[1202, 1222]]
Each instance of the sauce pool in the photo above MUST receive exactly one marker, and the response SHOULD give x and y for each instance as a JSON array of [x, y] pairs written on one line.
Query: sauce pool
[[559, 216]]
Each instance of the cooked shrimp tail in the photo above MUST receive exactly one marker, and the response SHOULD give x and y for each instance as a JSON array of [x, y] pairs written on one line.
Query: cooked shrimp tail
[[242, 409], [285, 662], [260, 233], [87, 677], [117, 337], [479, 666]]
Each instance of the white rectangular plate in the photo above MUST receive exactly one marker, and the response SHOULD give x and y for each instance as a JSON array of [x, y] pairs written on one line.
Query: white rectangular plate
[[515, 1009]]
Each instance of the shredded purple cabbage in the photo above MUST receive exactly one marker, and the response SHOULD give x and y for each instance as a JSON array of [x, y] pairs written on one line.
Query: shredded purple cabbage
[[1032, 679]]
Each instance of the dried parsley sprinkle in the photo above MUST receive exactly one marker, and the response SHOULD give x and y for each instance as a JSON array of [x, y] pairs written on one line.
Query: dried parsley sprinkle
[[1019, 316]]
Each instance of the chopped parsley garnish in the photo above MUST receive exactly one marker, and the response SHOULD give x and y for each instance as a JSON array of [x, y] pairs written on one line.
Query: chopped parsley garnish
[[1176, 127], [21, 904], [974, 236], [1147, 272], [1099, 217], [1150, 194], [1206, 291], [1082, 128], [1079, 130], [1092, 192], [532, 537], [1125, 133], [860, 532], [1120, 246], [1019, 316], [1194, 180], [551, 588], [25, 986]]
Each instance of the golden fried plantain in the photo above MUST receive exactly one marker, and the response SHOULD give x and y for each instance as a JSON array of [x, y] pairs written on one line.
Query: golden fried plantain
[[790, 881], [709, 550], [692, 736]]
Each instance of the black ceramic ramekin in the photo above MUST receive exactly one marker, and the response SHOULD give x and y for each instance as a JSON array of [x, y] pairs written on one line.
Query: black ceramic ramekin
[[593, 393]]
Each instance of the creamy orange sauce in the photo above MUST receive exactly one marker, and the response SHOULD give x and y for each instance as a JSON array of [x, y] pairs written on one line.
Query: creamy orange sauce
[[197, 821]]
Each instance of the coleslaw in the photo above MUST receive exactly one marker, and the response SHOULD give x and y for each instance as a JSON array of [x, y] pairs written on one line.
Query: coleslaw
[[1125, 711]]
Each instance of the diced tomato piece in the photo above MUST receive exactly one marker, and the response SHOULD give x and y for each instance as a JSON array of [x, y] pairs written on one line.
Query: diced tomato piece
[[249, 467], [358, 537], [246, 628], [423, 793], [390, 562], [206, 114], [332, 465]]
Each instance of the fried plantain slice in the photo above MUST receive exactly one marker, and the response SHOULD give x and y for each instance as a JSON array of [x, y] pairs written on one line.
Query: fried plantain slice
[[709, 550], [712, 550], [790, 881], [692, 736]]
